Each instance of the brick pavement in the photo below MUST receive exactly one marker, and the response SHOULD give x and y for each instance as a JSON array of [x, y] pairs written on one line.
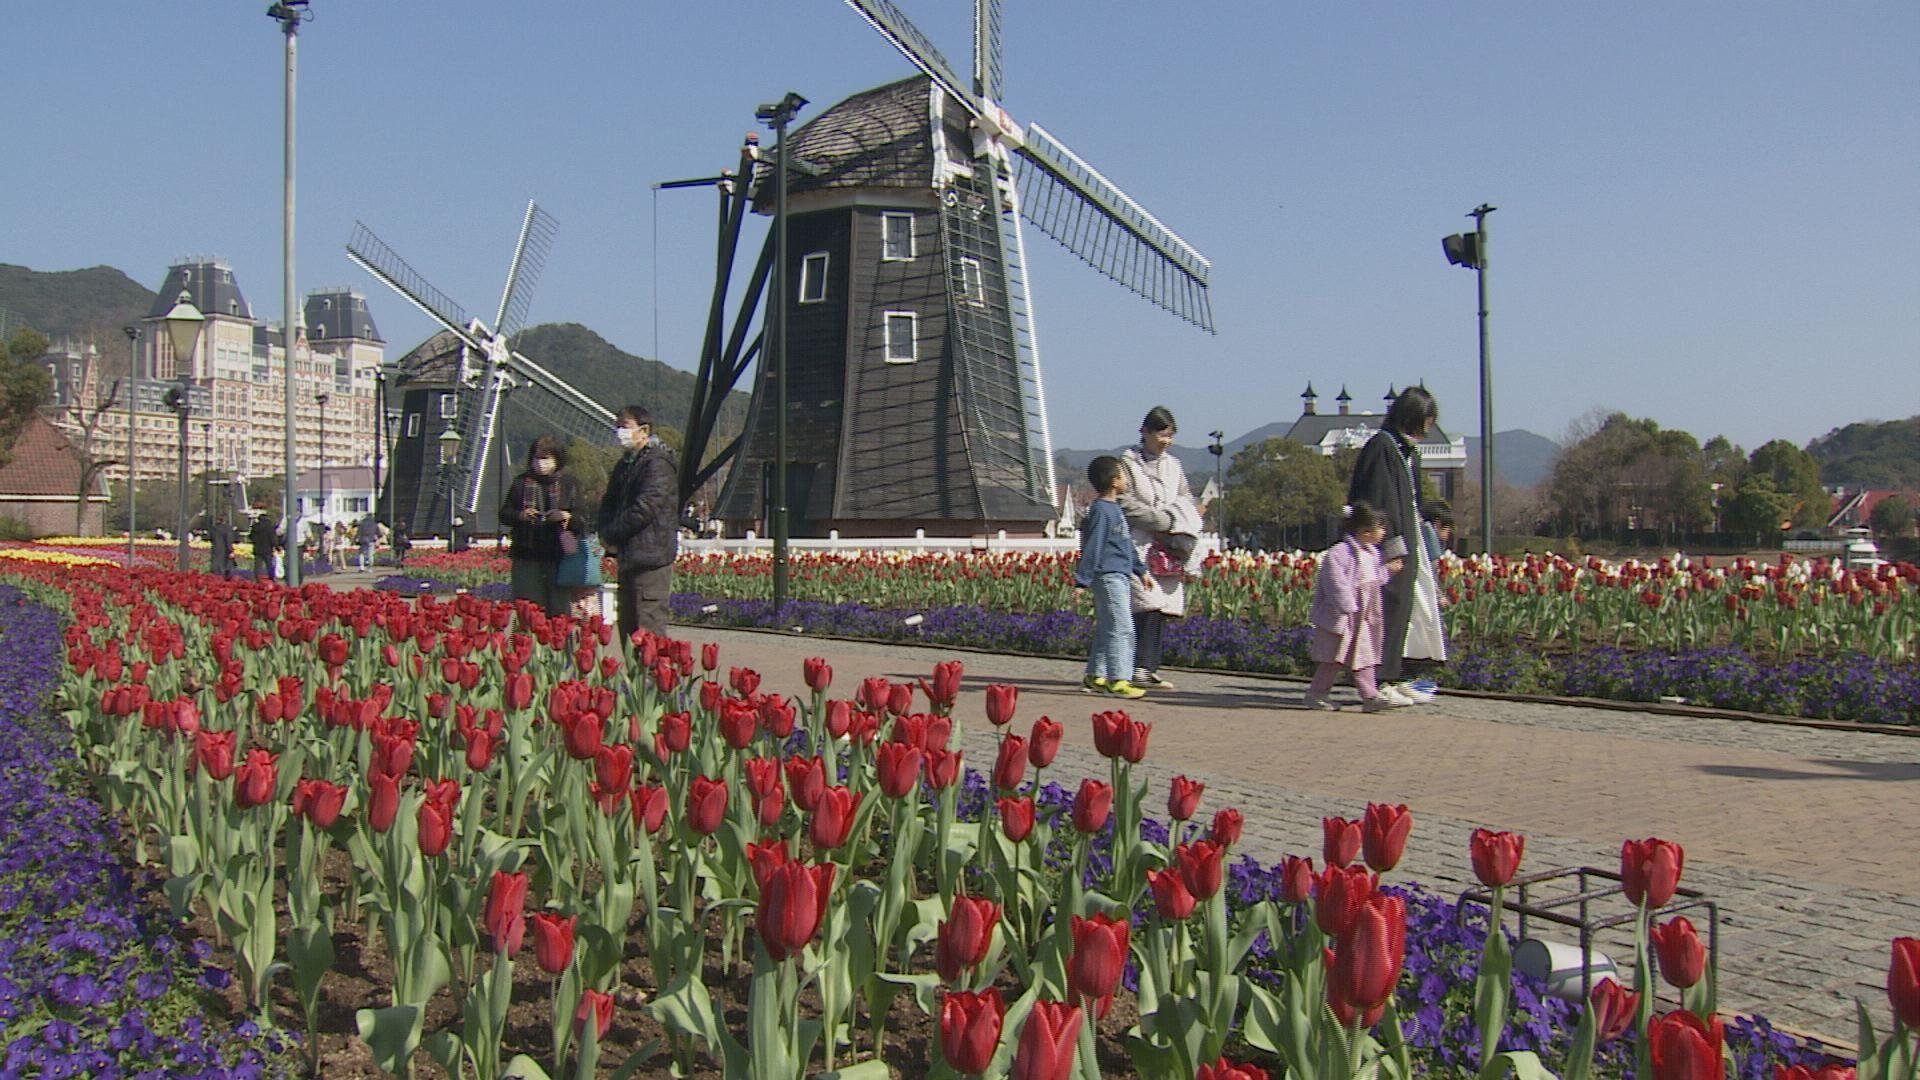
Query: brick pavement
[[1796, 832]]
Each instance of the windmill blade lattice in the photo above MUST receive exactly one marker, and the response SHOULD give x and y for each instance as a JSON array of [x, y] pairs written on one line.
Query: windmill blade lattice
[[1072, 202], [373, 255], [537, 231], [894, 25], [987, 76]]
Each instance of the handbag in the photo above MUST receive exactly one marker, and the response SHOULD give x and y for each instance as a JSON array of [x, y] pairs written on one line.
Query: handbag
[[1163, 563], [580, 568]]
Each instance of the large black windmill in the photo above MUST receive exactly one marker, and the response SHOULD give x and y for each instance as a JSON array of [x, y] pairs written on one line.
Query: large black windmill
[[454, 385], [914, 388]]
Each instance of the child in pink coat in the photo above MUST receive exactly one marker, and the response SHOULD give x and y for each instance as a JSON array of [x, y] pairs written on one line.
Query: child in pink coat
[[1348, 615]]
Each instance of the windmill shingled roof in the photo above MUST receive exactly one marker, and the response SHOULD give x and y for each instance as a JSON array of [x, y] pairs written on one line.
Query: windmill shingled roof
[[877, 138], [44, 463]]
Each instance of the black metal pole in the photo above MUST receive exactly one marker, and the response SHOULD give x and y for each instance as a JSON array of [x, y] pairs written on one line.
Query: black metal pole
[[133, 414], [1479, 216], [182, 481], [779, 115]]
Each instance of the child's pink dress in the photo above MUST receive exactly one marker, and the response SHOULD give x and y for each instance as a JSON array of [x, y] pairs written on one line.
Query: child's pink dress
[[1348, 617]]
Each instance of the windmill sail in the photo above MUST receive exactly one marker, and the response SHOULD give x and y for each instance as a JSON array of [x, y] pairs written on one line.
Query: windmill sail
[[372, 254], [537, 230]]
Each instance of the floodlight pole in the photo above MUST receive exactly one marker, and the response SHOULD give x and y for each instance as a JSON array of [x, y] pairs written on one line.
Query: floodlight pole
[[133, 413], [1479, 216], [778, 115], [289, 15]]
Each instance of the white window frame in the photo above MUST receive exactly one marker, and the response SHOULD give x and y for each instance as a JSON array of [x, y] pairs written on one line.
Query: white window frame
[[886, 218], [449, 407], [413, 425], [913, 336], [973, 281], [813, 271]]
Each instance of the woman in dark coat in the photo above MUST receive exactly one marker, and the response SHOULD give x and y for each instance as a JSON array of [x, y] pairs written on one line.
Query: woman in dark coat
[[1387, 477], [537, 510]]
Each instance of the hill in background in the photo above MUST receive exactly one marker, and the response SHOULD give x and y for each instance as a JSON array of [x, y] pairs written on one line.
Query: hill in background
[[1871, 454], [82, 306]]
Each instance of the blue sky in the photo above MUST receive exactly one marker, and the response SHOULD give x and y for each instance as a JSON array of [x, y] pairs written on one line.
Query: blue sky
[[1709, 212]]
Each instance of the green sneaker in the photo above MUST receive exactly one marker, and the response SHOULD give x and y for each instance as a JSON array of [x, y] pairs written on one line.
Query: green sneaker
[[1093, 684], [1124, 689]]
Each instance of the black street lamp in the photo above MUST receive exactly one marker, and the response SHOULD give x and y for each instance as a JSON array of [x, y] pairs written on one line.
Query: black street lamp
[[133, 415], [1470, 249], [1219, 451], [321, 400], [449, 462], [777, 116], [183, 333]]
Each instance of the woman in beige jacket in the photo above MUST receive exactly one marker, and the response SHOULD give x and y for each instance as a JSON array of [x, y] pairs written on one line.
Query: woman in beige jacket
[[1156, 485]]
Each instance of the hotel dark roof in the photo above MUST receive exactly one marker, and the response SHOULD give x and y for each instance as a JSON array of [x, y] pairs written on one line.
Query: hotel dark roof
[[338, 315], [210, 284]]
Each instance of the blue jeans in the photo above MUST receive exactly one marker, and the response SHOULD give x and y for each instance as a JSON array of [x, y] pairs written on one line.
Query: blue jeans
[[1112, 655]]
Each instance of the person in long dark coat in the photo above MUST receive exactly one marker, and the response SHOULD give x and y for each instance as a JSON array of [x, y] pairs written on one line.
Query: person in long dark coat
[[1387, 477], [538, 508]]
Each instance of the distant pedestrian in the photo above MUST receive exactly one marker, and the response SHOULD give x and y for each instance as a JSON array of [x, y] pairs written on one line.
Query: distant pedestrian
[[220, 539], [1109, 565], [402, 543], [1348, 614], [1158, 504], [538, 513], [1387, 477], [639, 522], [264, 538], [368, 535]]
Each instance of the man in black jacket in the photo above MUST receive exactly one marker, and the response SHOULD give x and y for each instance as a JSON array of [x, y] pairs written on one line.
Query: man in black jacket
[[265, 538], [639, 522]]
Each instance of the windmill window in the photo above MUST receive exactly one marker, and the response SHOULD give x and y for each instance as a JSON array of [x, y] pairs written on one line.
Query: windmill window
[[900, 337], [813, 278], [448, 408], [896, 237], [973, 284], [413, 425]]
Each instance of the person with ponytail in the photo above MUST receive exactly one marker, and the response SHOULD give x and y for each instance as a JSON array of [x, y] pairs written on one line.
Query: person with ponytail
[[1348, 613]]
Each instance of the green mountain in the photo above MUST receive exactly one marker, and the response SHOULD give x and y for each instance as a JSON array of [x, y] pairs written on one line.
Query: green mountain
[[615, 378], [1871, 453], [88, 305]]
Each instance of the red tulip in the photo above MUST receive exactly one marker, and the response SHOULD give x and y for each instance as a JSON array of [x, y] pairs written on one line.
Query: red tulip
[[1903, 981], [553, 940], [213, 750], [1296, 880], [1496, 856], [1614, 1008], [505, 917], [744, 681], [970, 1029], [1228, 1070], [676, 729], [900, 698], [839, 718], [710, 656], [739, 720], [806, 777], [1340, 1002], [777, 716], [1133, 742], [613, 768], [1110, 732], [1202, 866], [706, 805], [436, 827], [1227, 825], [1183, 798], [1343, 892], [1340, 841], [763, 776], [793, 902], [1002, 699], [255, 779], [383, 801], [1650, 870], [1010, 765], [1828, 1071], [1170, 895], [1384, 834], [1683, 958], [833, 814], [1092, 805], [964, 937], [765, 858], [1685, 1047], [649, 802], [818, 673], [1016, 817], [1044, 742], [935, 732], [1370, 954], [665, 675], [320, 801], [874, 693], [710, 696], [584, 736], [1048, 1042], [946, 684], [899, 766], [943, 768], [479, 750], [519, 691], [599, 1005], [1099, 955]]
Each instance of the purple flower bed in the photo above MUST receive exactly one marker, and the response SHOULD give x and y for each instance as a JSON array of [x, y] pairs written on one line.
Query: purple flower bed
[[91, 984], [1852, 686]]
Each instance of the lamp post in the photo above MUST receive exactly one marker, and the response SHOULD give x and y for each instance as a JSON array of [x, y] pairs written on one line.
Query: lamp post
[[289, 14], [777, 116], [1219, 451], [392, 417], [133, 412], [321, 400], [449, 461], [183, 334], [1471, 250]]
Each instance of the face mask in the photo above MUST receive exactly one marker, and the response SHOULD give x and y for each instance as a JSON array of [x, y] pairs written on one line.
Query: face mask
[[544, 466], [623, 436]]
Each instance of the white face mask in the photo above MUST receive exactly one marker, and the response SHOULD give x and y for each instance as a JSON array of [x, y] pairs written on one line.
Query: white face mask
[[623, 436], [544, 466]]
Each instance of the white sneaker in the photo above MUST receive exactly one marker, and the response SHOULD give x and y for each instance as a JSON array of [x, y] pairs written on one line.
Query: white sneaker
[[1320, 704], [1381, 703], [1395, 696]]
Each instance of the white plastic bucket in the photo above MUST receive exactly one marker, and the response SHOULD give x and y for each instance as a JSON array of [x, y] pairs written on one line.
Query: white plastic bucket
[[1557, 964]]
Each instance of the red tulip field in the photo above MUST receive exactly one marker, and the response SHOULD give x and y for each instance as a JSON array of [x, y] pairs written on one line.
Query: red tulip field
[[465, 838]]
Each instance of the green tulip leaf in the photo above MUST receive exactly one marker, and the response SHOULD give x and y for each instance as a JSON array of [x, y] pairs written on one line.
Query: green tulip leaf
[[866, 1070], [445, 1048], [1522, 1064], [1155, 1062], [391, 1033], [926, 989], [311, 950], [523, 1067]]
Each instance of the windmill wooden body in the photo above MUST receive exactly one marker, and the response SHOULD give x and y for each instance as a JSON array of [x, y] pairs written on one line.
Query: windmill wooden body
[[915, 391]]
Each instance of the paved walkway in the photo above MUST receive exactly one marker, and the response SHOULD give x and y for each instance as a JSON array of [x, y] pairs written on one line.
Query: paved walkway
[[1801, 835]]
